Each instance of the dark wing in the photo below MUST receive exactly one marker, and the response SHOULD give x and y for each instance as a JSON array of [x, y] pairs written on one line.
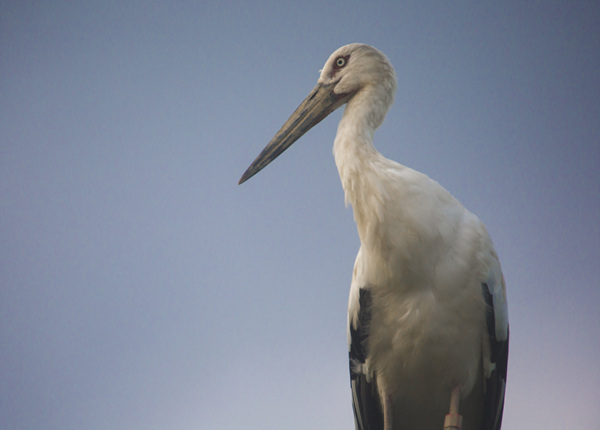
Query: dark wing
[[365, 398], [497, 325]]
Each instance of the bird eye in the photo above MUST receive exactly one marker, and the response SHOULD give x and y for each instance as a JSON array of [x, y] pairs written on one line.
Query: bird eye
[[340, 62]]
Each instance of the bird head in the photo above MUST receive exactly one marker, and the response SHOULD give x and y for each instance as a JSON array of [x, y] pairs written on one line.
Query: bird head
[[351, 71]]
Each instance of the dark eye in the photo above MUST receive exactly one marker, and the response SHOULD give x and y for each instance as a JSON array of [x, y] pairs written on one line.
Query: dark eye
[[340, 62]]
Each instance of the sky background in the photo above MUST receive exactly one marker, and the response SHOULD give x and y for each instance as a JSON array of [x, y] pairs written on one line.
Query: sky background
[[142, 288]]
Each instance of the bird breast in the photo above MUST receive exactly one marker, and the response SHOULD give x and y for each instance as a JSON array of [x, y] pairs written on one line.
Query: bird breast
[[419, 255]]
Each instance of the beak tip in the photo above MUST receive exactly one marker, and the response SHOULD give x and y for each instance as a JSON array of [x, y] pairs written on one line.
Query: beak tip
[[247, 175]]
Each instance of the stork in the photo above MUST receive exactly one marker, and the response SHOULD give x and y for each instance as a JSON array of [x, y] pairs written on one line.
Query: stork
[[427, 316]]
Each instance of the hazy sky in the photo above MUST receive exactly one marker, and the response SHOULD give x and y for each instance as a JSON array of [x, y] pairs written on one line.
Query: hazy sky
[[142, 288]]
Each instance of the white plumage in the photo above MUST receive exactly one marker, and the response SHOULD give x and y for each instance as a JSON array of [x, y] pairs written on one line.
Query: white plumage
[[427, 316]]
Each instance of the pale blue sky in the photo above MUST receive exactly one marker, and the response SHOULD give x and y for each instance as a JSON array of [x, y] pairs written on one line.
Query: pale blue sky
[[141, 287]]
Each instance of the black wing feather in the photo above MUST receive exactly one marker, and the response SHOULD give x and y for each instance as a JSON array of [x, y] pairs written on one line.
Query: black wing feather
[[365, 397], [496, 384]]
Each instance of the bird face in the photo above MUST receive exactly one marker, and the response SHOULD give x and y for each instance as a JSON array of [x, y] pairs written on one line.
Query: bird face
[[356, 66]]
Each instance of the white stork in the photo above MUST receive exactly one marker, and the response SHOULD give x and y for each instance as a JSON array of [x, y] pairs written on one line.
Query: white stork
[[427, 318]]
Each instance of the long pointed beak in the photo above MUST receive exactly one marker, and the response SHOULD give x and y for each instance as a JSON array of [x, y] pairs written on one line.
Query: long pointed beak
[[320, 102]]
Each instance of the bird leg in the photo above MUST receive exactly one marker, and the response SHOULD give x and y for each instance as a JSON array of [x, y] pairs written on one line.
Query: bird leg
[[453, 420], [387, 412]]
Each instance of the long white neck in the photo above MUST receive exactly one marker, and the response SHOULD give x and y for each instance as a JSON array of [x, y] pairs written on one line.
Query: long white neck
[[359, 163]]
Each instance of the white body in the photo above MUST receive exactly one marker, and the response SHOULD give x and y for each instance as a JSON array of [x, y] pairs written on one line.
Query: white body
[[424, 261]]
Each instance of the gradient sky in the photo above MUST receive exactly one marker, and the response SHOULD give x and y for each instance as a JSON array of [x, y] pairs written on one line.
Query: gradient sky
[[142, 288]]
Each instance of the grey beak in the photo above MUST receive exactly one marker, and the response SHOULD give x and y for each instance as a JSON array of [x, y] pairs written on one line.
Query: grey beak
[[320, 102]]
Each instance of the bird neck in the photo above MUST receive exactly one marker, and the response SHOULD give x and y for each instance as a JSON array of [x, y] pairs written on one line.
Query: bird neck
[[353, 147], [359, 165]]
